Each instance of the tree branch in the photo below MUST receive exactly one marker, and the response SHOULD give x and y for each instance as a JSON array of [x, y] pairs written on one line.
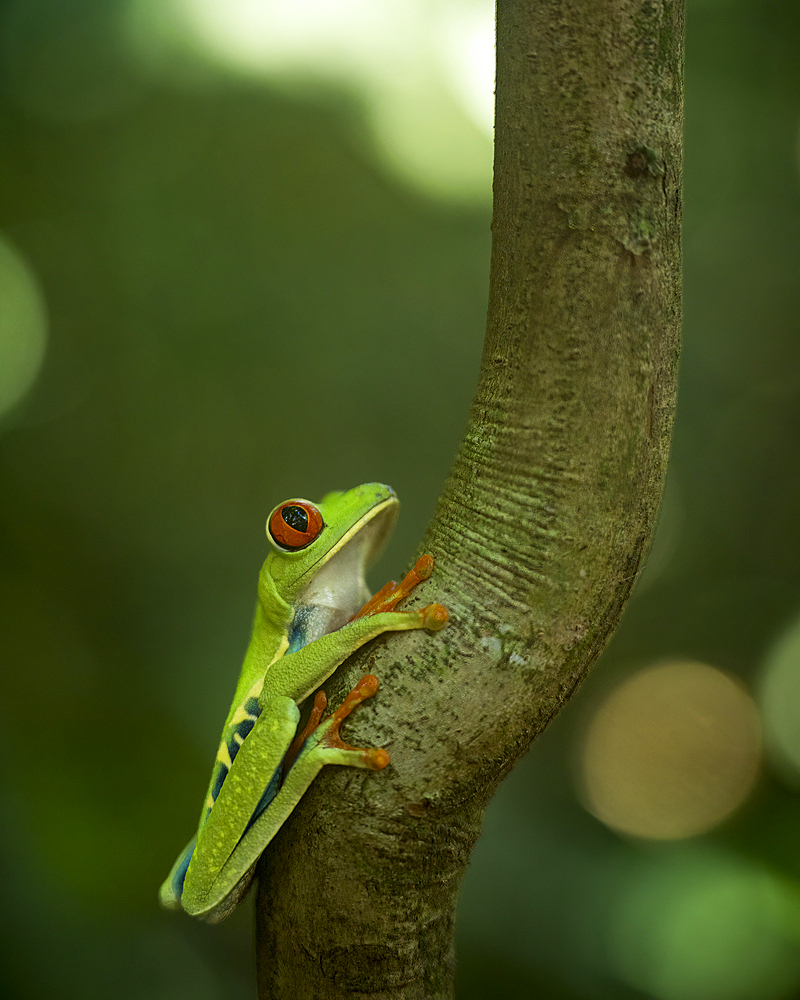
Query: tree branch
[[546, 516]]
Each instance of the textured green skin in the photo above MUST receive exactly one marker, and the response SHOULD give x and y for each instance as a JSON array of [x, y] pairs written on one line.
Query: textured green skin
[[221, 867]]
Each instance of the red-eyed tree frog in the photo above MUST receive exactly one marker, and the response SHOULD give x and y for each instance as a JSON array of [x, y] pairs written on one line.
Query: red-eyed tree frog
[[307, 622]]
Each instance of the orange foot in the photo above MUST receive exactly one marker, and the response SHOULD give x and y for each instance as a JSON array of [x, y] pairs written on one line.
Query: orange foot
[[391, 593], [374, 758]]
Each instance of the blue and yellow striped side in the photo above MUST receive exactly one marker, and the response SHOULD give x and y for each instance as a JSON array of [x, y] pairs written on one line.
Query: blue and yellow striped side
[[240, 725]]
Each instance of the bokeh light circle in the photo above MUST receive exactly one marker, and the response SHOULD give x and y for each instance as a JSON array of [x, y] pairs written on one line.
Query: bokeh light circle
[[704, 925], [23, 326], [423, 73], [671, 752]]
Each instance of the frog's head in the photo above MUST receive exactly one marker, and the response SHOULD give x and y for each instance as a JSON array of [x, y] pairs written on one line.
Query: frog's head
[[320, 552]]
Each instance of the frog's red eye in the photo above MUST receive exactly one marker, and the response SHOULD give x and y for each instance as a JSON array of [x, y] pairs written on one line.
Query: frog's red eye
[[295, 524]]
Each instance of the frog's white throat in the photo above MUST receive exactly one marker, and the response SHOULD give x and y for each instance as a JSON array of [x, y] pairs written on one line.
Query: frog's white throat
[[339, 589]]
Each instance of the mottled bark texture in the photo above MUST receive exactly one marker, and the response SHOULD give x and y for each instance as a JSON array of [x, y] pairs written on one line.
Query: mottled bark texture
[[545, 518]]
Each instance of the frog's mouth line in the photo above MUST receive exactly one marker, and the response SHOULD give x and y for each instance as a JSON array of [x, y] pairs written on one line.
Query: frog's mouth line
[[374, 528]]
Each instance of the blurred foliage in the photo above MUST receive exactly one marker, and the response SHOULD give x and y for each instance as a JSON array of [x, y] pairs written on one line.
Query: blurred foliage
[[244, 303]]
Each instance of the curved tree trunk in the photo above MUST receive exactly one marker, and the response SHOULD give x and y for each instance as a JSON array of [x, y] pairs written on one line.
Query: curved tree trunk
[[545, 518]]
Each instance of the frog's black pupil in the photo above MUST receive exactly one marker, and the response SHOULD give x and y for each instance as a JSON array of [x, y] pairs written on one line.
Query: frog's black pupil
[[296, 518]]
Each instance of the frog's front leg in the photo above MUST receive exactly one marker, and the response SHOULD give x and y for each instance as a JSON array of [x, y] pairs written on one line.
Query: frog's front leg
[[321, 657]]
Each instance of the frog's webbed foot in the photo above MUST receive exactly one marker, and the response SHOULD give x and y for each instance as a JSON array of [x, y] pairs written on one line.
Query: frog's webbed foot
[[391, 593], [324, 740], [432, 617], [374, 758]]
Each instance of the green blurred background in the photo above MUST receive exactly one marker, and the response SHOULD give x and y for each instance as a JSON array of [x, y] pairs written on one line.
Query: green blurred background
[[244, 254]]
